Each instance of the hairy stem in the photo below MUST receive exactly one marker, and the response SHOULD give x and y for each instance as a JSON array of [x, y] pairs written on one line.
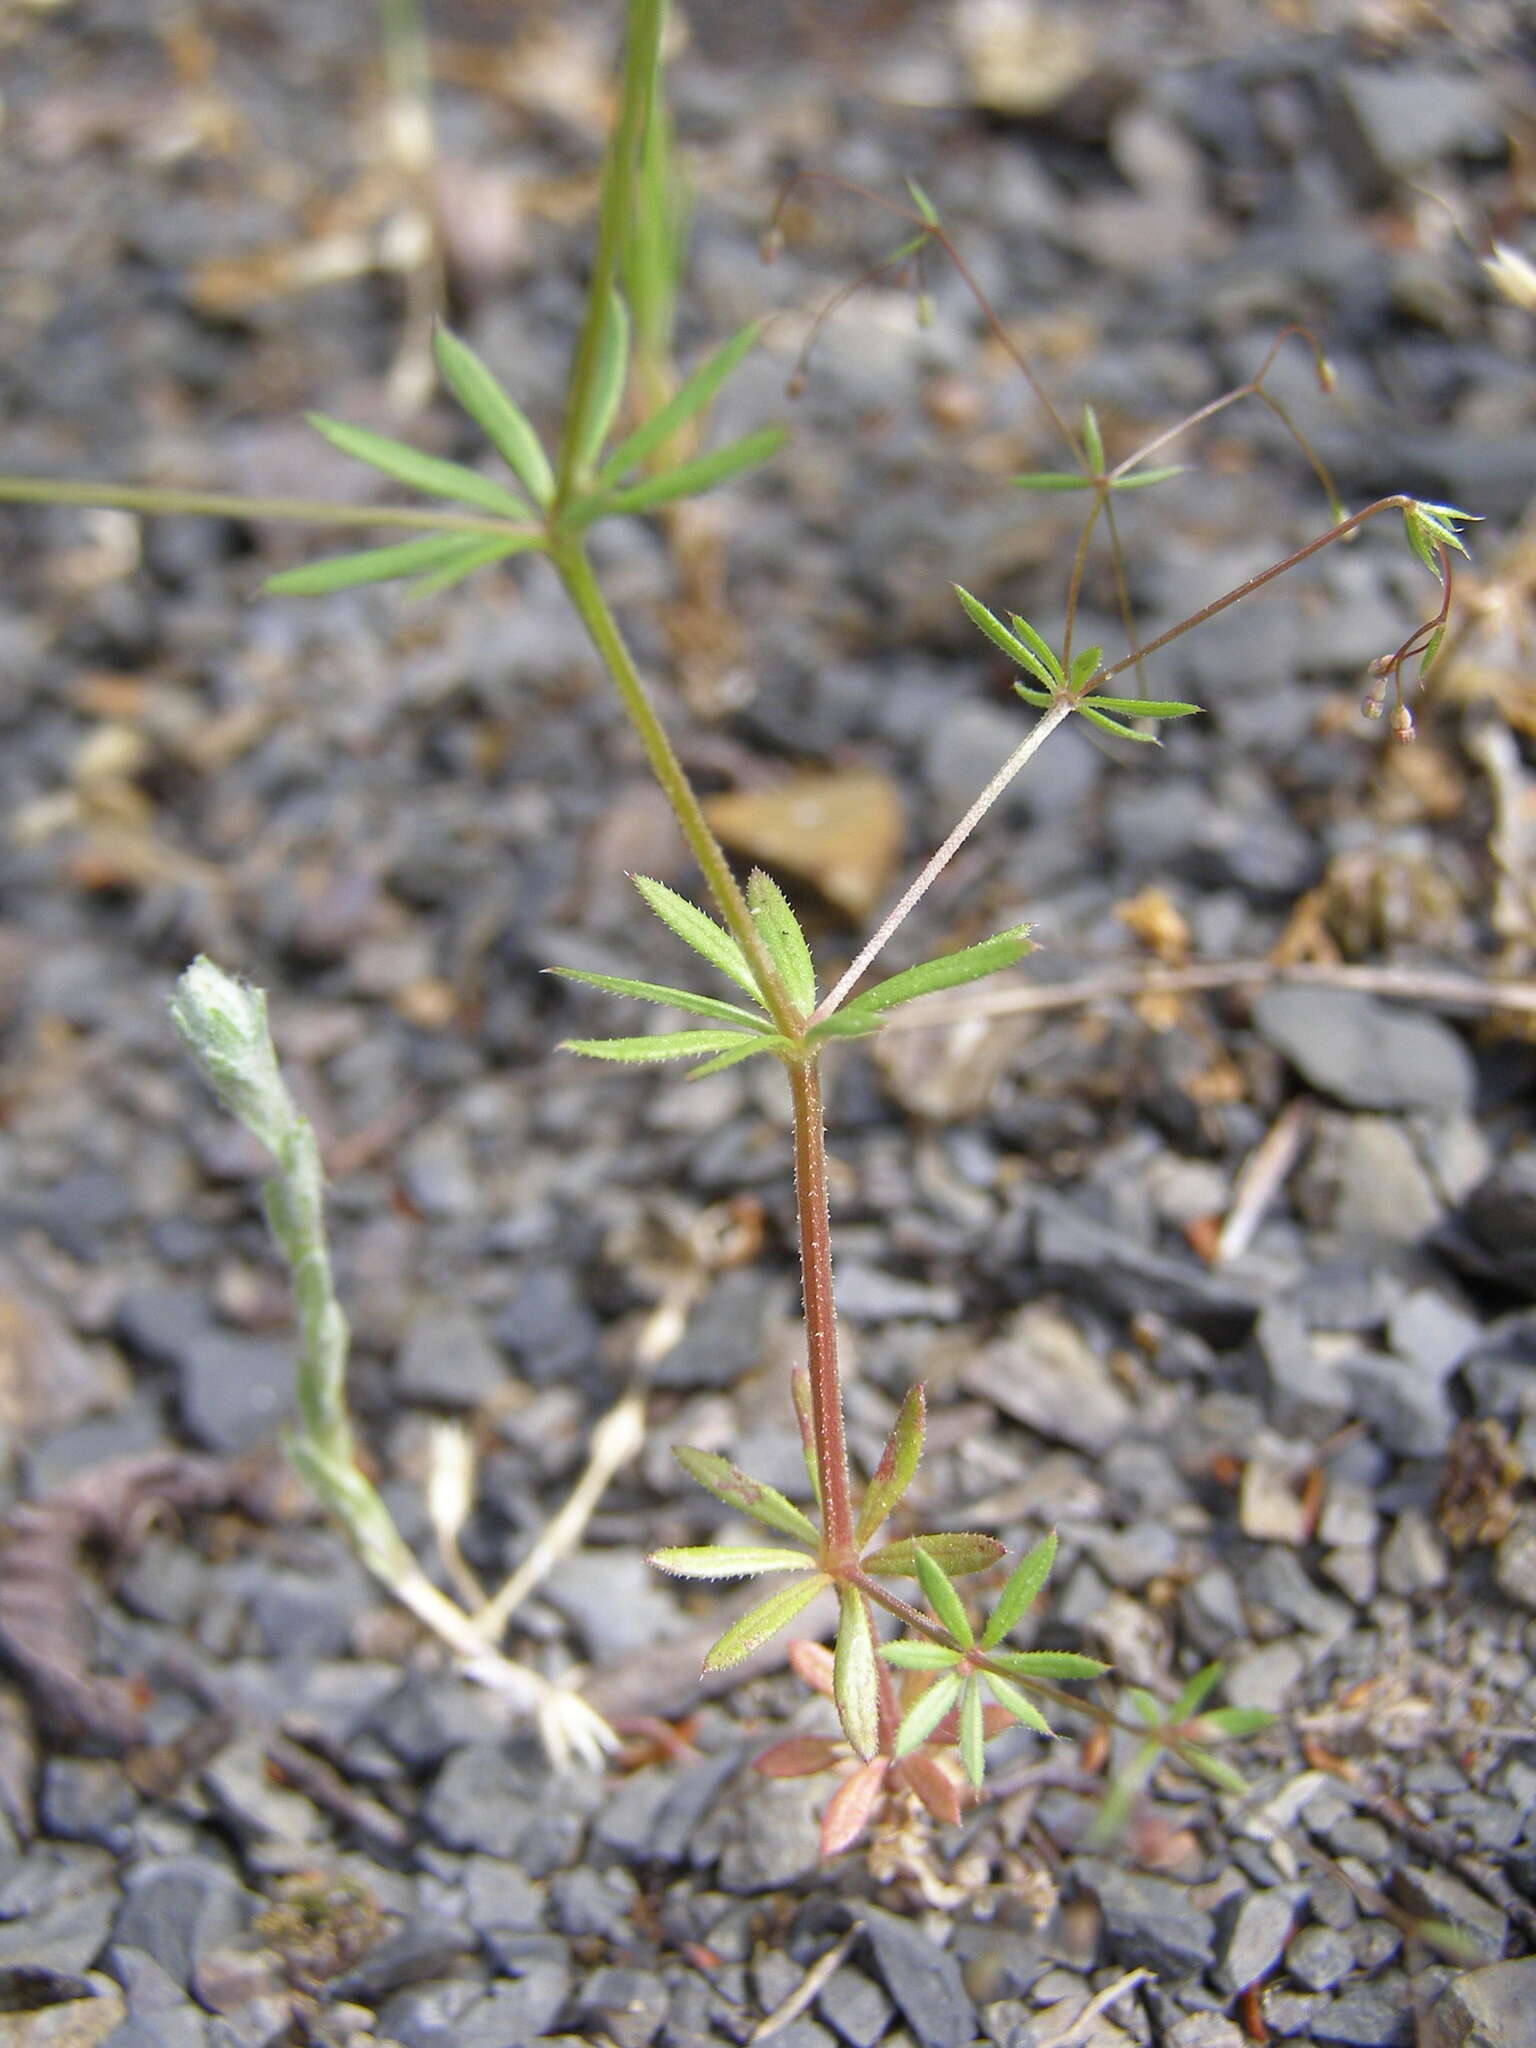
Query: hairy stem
[[815, 1220], [167, 498]]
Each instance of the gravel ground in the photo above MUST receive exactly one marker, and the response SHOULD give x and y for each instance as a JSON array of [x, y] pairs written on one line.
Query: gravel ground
[[1230, 1279]]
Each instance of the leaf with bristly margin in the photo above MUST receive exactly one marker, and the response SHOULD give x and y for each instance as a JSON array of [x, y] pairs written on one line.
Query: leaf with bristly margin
[[689, 399], [1047, 1663], [691, 925], [957, 1551], [1233, 1722], [1012, 1701], [1216, 1769], [1093, 440], [919, 1656], [973, 1734], [898, 1462], [799, 1756], [503, 424], [1048, 671], [950, 970], [847, 1812], [372, 565], [926, 1712], [737, 1489], [779, 930], [767, 1043], [1121, 732], [1021, 1591], [1146, 1705], [407, 465], [923, 203], [1085, 666], [1431, 527], [942, 1597], [690, 479], [1040, 648], [728, 1560], [1195, 1693], [663, 1045], [800, 1395], [933, 1785], [473, 554], [1138, 479], [855, 1675], [1051, 480], [764, 1621], [1143, 707], [672, 998], [610, 372]]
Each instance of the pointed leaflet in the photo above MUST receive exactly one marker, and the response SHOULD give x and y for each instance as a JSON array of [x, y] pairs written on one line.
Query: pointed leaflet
[[848, 1810], [766, 1042], [728, 1561], [1121, 732], [696, 930], [607, 387], [657, 992], [1085, 666], [780, 932], [926, 1712], [1142, 707], [1021, 1591], [1235, 1721], [855, 1676], [923, 203], [950, 970], [764, 1622], [919, 1656], [692, 479], [473, 554], [942, 1598], [1138, 479], [1195, 1694], [1146, 1704], [737, 1489], [1214, 1768], [898, 1462], [503, 424], [973, 1734], [1047, 671], [422, 472], [799, 1756], [691, 398], [1093, 440], [664, 1045], [1013, 1701], [934, 1787], [1047, 1663], [800, 1394], [433, 551], [956, 1551], [1040, 648], [1051, 480]]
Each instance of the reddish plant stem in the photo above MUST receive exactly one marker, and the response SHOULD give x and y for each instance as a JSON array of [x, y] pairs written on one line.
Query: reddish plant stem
[[815, 1219]]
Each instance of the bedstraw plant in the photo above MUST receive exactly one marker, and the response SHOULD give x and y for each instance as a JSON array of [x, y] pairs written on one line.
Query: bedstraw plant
[[916, 1709]]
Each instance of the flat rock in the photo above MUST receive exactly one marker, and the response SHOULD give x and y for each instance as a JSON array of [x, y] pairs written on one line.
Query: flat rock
[[923, 1979], [1364, 1053], [232, 1389], [1044, 1374], [447, 1360], [1494, 2007], [1150, 1920]]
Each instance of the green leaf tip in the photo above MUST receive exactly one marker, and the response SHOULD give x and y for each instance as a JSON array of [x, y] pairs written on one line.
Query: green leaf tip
[[1432, 527], [432, 558], [737, 1489], [761, 1623], [503, 423], [780, 932], [428, 473]]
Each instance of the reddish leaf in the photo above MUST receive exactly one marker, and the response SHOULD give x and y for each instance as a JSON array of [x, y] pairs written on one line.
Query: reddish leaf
[[800, 1756], [848, 1810], [812, 1664], [927, 1779]]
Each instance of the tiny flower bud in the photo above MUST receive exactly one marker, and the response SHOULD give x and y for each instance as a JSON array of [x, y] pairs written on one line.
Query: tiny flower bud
[[1402, 723], [224, 1024], [1372, 707], [1327, 376]]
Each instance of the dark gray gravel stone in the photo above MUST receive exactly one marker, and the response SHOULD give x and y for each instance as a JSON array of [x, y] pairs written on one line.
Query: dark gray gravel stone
[[1495, 1237], [1493, 2007], [179, 1910], [1364, 1053], [548, 1327], [1125, 1278], [588, 1901], [1254, 1935], [1150, 1920], [88, 1799], [232, 1390], [56, 1906], [446, 1360], [627, 2006], [480, 1800], [1378, 2014], [539, 1971], [855, 2008], [426, 1946], [725, 1333], [924, 1980], [1318, 1958], [160, 2015]]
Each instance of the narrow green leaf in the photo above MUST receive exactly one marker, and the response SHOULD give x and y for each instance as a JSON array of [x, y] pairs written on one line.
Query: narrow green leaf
[[686, 402], [728, 1561], [503, 424], [955, 1551], [607, 386], [663, 1045], [1144, 707], [1419, 539], [923, 203], [855, 1677], [1093, 440], [738, 1489], [658, 992], [1051, 480], [942, 1597], [1047, 1663], [1014, 1701], [1215, 1769], [973, 1734], [422, 472], [1122, 1794], [780, 932], [1121, 732], [800, 1394], [368, 565], [1235, 1722], [1431, 649], [926, 1712], [1041, 699], [898, 1462], [1085, 666], [769, 1042], [950, 970], [702, 933], [1021, 1591], [763, 1622], [1041, 648], [1195, 1693], [474, 554], [1048, 673], [691, 479], [1138, 479], [1146, 1705], [919, 1656]]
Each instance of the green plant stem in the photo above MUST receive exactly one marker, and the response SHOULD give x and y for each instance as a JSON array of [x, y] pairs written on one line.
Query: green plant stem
[[585, 594], [642, 52], [839, 1550], [28, 490]]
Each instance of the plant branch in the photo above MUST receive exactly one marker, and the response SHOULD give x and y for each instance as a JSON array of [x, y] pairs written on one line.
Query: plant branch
[[28, 490], [815, 1221]]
